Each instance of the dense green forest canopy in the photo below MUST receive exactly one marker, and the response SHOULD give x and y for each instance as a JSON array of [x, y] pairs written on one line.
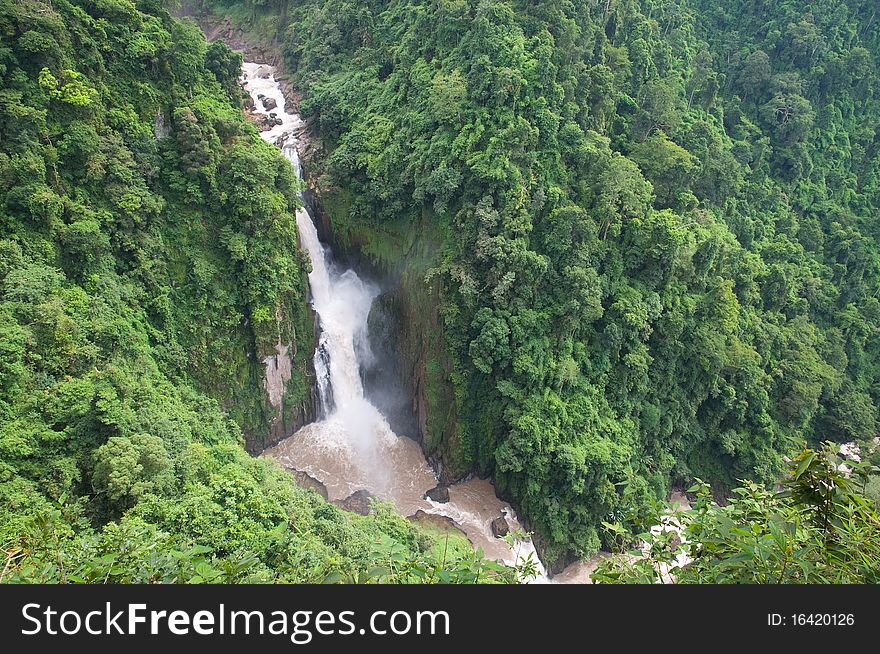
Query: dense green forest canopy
[[147, 255], [661, 254], [659, 263]]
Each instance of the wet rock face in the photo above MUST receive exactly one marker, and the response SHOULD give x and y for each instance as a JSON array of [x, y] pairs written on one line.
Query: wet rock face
[[161, 129], [283, 418], [382, 378], [358, 502], [278, 372], [269, 104], [262, 122], [277, 375], [438, 494], [500, 528]]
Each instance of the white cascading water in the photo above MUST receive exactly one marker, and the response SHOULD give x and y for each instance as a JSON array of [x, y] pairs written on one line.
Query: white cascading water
[[352, 447]]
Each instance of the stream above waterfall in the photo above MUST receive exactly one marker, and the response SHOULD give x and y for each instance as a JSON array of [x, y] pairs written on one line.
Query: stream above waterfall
[[351, 446]]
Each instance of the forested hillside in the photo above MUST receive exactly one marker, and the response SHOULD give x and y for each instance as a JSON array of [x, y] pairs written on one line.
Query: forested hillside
[[659, 227], [630, 244], [148, 264]]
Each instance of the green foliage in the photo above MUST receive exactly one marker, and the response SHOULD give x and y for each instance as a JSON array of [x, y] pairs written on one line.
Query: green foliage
[[71, 88], [127, 468], [225, 63], [660, 264], [820, 528]]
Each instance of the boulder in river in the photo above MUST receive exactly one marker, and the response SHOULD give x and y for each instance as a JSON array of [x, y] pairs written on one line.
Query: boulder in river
[[305, 480], [262, 121], [358, 502], [500, 528], [435, 522], [439, 493], [269, 103]]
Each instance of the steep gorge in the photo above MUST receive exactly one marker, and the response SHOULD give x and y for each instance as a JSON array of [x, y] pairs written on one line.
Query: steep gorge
[[404, 321]]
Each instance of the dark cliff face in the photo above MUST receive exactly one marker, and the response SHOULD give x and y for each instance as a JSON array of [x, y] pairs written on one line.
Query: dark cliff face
[[409, 378], [410, 382], [389, 382], [320, 217]]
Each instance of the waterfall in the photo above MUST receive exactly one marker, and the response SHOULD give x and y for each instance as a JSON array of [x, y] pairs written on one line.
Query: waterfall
[[352, 447]]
